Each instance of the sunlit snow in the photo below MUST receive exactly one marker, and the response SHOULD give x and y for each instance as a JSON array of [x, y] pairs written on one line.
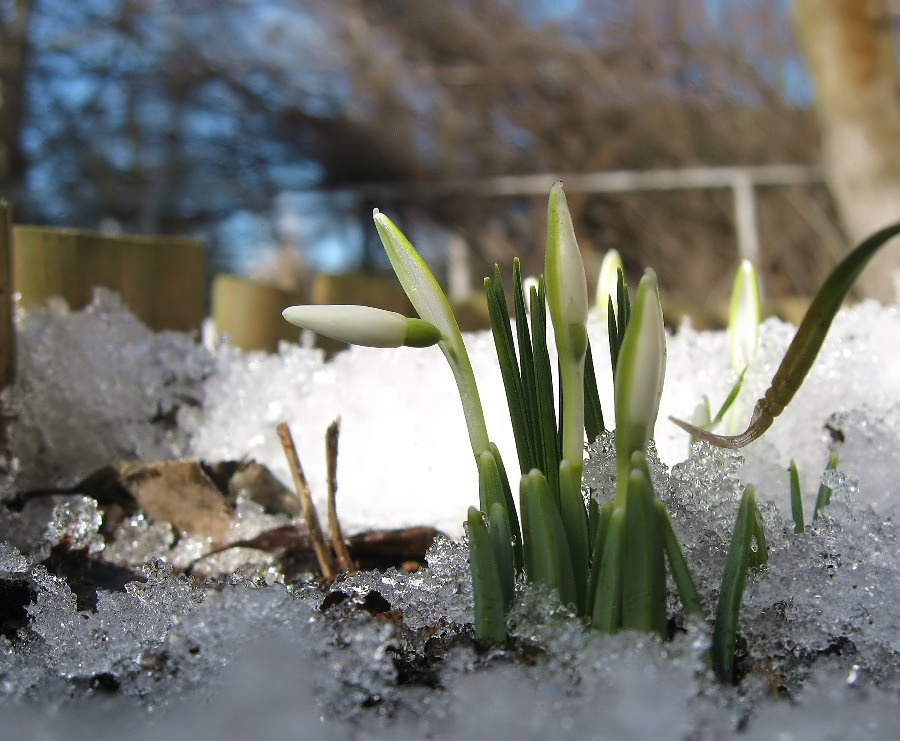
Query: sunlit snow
[[168, 659]]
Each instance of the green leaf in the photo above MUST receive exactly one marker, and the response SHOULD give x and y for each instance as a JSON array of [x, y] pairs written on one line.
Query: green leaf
[[490, 614], [593, 413], [606, 611], [502, 543], [796, 498], [509, 368], [547, 559], [644, 576], [510, 507], [548, 448], [526, 365], [823, 498], [575, 524], [731, 592], [684, 581], [805, 346]]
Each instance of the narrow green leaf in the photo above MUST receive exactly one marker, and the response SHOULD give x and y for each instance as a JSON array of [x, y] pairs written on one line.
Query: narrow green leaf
[[490, 615], [804, 347], [547, 559], [593, 413], [502, 542], [509, 367], [546, 413], [526, 365], [796, 498], [731, 592], [643, 568], [601, 530], [575, 524], [729, 400], [606, 611], [823, 498], [759, 549], [612, 333], [510, 507], [681, 573]]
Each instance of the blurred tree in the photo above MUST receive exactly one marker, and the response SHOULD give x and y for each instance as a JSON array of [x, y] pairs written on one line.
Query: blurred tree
[[14, 18], [170, 116], [477, 89], [849, 50]]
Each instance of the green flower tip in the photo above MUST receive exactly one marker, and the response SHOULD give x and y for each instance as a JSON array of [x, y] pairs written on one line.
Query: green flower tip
[[567, 295], [641, 370], [363, 325], [607, 279], [743, 317]]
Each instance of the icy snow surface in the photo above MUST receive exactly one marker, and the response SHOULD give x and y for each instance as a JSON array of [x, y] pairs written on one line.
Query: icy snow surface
[[248, 656]]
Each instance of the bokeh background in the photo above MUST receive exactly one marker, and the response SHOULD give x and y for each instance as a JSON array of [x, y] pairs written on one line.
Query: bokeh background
[[269, 129]]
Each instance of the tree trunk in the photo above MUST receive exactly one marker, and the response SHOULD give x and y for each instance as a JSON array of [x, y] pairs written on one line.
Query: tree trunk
[[851, 60], [13, 51]]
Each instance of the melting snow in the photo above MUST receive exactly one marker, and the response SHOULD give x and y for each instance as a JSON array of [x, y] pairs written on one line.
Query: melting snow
[[167, 659]]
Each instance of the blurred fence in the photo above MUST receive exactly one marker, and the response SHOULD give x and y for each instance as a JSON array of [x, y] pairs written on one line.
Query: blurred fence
[[162, 279]]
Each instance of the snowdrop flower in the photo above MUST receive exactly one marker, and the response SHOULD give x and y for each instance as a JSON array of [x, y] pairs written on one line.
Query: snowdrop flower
[[607, 279], [363, 325], [567, 300], [743, 317], [640, 373]]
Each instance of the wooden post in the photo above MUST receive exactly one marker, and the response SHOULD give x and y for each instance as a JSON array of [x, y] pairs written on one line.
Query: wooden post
[[7, 329], [161, 279]]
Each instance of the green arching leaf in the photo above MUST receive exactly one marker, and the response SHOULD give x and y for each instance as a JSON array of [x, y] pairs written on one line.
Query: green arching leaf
[[731, 592], [684, 582], [429, 301], [796, 498], [805, 346], [823, 498], [490, 614]]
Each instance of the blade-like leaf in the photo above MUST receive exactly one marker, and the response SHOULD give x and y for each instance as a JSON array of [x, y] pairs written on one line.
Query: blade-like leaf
[[823, 498], [804, 347], [490, 615], [796, 498], [731, 592]]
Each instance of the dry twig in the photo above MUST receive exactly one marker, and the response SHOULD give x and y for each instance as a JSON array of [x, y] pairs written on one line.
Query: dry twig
[[323, 554], [334, 526]]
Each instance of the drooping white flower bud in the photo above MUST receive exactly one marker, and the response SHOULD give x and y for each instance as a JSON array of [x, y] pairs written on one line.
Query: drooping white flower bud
[[363, 325]]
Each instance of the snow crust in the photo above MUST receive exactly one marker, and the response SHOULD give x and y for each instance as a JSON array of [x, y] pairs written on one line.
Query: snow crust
[[168, 659]]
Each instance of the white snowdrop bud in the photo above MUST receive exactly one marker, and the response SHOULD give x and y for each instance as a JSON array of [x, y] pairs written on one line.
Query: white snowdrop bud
[[641, 369], [743, 316], [363, 325]]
